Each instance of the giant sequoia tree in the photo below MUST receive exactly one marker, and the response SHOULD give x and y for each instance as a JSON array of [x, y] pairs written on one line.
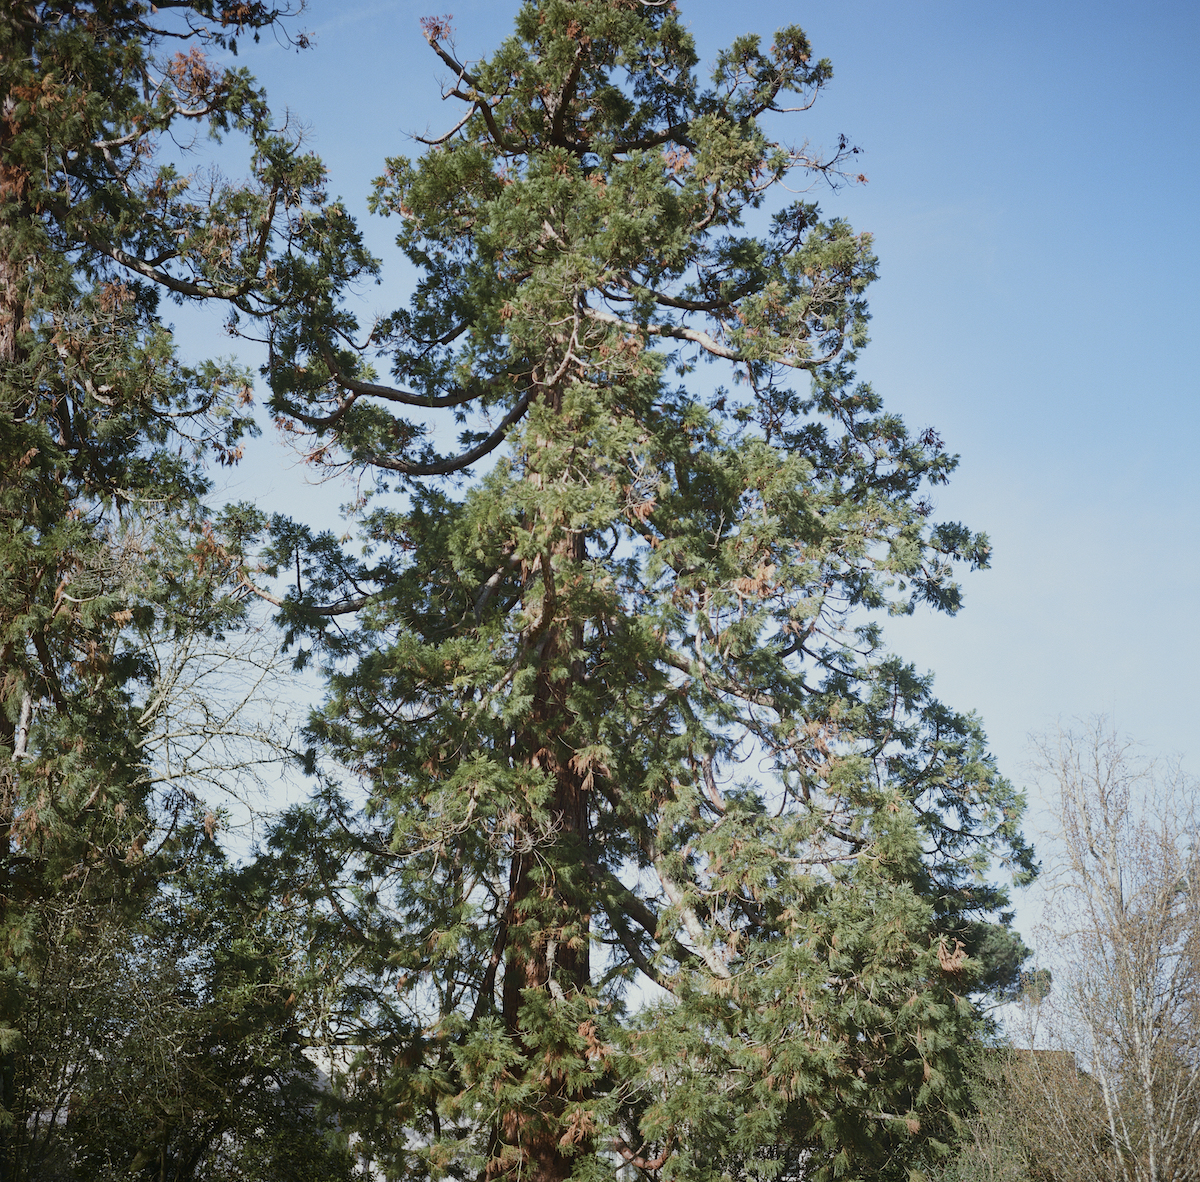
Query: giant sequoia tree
[[666, 863]]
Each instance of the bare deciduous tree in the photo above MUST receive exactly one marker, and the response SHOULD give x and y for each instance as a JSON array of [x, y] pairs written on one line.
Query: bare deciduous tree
[[1123, 938]]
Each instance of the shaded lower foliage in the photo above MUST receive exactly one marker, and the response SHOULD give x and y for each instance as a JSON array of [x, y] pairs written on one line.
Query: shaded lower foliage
[[166, 1048]]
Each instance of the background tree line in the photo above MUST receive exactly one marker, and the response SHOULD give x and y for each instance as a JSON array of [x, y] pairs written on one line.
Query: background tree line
[[566, 933]]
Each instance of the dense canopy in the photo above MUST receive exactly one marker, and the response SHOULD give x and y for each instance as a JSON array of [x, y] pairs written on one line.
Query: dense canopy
[[118, 1051]]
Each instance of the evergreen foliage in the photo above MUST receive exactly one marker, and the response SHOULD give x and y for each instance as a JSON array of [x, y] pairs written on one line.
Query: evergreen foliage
[[106, 552], [666, 863], [103, 430], [168, 1047]]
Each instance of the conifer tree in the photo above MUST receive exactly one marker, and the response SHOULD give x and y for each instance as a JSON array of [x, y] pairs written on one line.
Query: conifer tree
[[104, 433], [666, 862]]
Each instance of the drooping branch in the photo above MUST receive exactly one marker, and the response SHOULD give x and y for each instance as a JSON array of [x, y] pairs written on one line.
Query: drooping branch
[[391, 394], [457, 463]]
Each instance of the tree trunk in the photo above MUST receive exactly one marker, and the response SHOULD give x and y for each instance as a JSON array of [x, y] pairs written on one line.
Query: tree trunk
[[14, 192], [557, 957]]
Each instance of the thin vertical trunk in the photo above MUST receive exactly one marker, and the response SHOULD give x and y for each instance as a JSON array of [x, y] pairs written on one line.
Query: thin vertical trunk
[[14, 315]]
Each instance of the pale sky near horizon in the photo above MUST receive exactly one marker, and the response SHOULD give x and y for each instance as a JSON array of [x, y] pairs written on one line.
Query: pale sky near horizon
[[1033, 182]]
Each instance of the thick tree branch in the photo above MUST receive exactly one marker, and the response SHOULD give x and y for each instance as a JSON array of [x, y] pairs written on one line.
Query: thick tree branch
[[566, 94], [166, 279], [480, 103], [391, 394], [487, 986], [677, 133], [624, 900], [628, 940], [458, 463], [684, 305], [459, 69], [639, 1162], [489, 588], [692, 924], [695, 669], [21, 738]]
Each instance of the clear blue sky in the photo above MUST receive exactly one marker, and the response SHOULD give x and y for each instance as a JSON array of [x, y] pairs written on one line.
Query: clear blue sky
[[1033, 191]]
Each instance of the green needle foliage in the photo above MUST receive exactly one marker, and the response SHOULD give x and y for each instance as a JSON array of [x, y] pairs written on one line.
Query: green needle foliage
[[103, 430], [104, 545], [666, 864]]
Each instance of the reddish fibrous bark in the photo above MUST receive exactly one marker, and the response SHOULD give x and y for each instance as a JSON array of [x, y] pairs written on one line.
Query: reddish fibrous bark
[[557, 958]]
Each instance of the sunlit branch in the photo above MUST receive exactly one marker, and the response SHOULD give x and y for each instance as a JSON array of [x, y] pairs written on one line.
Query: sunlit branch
[[707, 342]]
